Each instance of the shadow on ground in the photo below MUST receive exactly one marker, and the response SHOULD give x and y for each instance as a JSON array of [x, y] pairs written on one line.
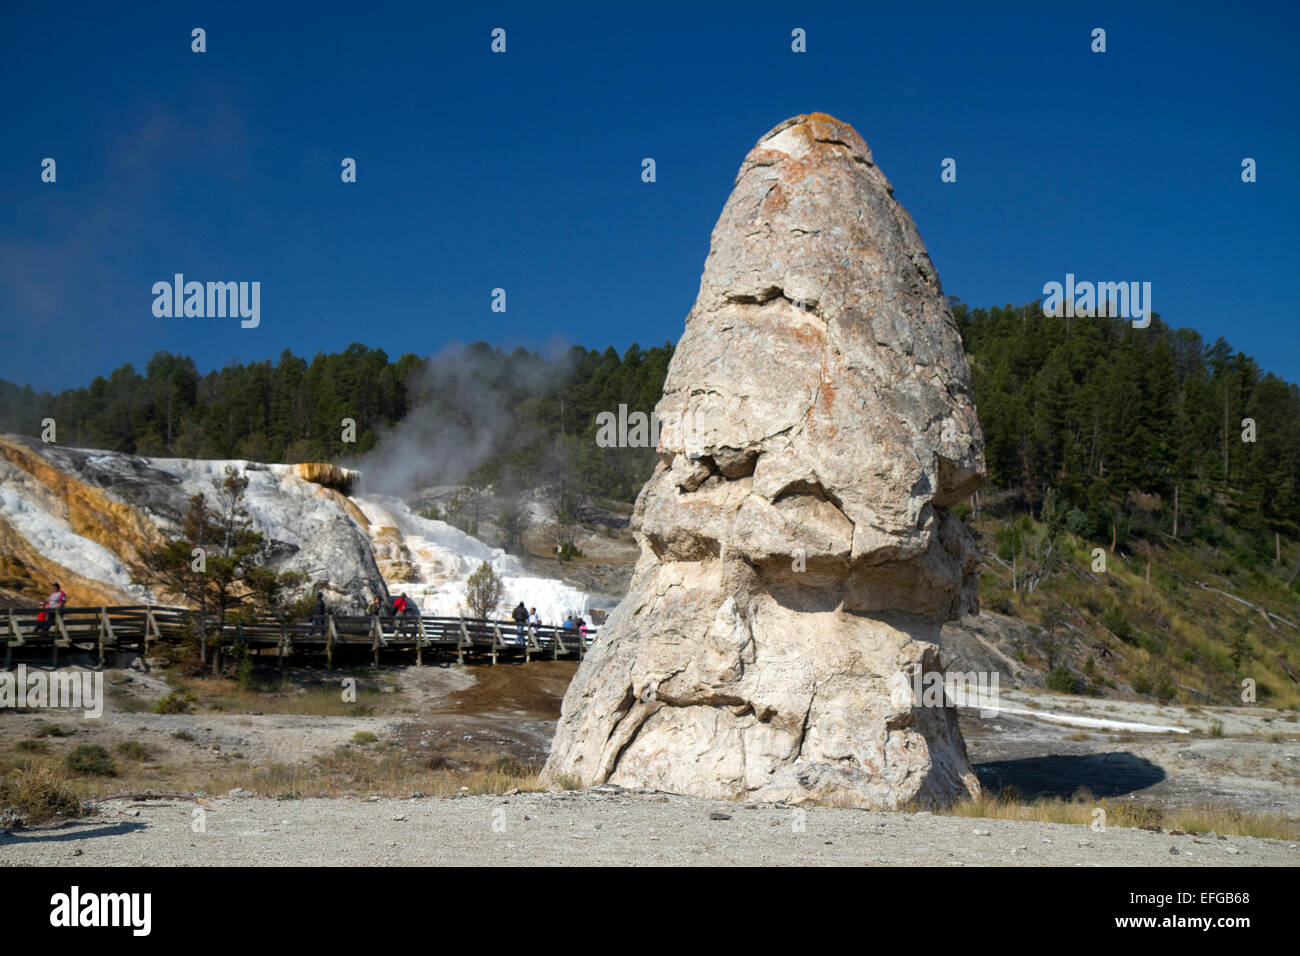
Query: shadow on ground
[[71, 831], [1103, 775]]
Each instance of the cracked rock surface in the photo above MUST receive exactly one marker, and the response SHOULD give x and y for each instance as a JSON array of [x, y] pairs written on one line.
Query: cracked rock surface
[[797, 552]]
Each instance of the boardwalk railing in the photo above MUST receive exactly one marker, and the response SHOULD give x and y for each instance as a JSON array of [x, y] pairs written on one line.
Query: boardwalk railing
[[25, 631]]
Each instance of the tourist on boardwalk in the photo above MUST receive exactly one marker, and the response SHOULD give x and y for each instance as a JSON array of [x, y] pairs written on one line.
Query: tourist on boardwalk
[[534, 622], [318, 613], [402, 610], [412, 614], [520, 617], [54, 603]]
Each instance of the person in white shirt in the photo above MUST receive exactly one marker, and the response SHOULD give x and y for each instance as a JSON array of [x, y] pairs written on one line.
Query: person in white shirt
[[54, 602]]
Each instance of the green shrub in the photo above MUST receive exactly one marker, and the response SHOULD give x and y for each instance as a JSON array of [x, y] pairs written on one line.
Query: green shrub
[[184, 735], [1115, 622], [134, 750], [244, 668], [1216, 728], [1166, 689], [33, 746], [177, 702], [1008, 542], [1061, 680], [52, 730], [91, 759], [364, 737], [1092, 678]]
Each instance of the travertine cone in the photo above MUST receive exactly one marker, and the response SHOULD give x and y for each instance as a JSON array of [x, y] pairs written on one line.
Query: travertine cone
[[797, 554]]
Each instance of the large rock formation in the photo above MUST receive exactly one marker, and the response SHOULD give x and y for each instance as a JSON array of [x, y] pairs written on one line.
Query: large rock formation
[[797, 553]]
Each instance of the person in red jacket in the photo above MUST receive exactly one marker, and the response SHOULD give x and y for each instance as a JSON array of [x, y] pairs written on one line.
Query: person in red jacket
[[402, 609], [54, 603]]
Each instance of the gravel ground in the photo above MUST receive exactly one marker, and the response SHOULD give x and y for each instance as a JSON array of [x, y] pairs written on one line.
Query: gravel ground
[[602, 826]]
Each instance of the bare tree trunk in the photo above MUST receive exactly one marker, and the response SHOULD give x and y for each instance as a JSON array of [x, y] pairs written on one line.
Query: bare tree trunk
[[1175, 512], [203, 631]]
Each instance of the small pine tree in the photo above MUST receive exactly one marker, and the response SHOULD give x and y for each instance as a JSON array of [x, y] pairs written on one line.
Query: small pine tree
[[216, 565], [483, 592]]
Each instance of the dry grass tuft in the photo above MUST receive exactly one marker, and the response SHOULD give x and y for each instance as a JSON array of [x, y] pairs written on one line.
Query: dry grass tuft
[[39, 791], [1081, 811]]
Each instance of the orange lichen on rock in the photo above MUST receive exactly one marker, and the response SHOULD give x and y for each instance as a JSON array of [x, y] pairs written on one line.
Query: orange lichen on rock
[[27, 573], [91, 513], [328, 475], [348, 506]]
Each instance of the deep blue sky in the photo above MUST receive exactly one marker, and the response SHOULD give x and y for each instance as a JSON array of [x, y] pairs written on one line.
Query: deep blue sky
[[523, 170]]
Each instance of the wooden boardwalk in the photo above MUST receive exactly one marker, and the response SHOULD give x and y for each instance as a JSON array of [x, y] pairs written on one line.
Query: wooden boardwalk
[[135, 629]]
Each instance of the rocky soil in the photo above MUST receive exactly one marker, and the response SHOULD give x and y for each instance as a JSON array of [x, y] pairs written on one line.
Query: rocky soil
[[1253, 766], [602, 826]]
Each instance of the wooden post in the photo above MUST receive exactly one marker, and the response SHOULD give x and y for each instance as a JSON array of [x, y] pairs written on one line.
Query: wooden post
[[419, 641], [377, 633], [284, 639], [461, 642], [330, 635], [105, 630], [496, 637], [151, 625]]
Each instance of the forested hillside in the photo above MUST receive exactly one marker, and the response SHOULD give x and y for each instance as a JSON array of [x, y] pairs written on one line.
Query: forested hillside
[[1098, 436], [1122, 433], [521, 420], [1107, 423]]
